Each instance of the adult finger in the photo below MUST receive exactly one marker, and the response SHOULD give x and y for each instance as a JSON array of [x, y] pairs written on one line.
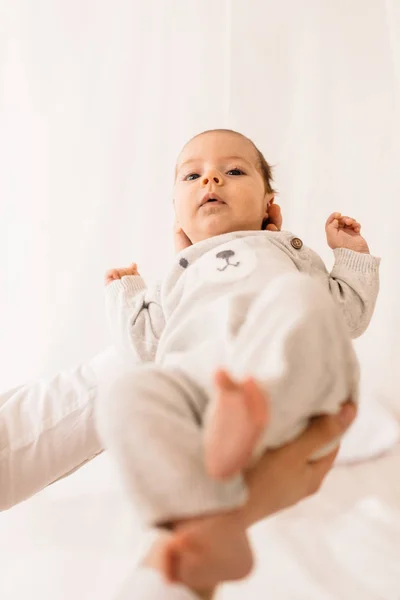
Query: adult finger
[[181, 240], [324, 430], [319, 470], [275, 216]]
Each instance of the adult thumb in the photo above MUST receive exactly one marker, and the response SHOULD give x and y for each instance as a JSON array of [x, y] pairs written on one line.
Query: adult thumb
[[181, 240]]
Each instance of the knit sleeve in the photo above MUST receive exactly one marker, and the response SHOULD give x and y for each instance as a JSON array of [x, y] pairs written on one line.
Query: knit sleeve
[[135, 318], [354, 284]]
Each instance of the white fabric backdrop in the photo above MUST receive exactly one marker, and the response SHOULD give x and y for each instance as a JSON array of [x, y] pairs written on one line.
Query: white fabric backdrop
[[98, 96]]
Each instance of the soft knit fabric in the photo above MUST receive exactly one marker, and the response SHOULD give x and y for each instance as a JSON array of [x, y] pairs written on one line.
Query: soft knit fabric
[[257, 303], [138, 315]]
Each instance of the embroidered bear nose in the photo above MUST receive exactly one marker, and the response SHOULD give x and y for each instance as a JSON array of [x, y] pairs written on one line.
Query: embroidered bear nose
[[225, 254]]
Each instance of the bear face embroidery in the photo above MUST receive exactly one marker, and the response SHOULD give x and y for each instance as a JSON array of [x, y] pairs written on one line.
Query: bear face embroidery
[[184, 263], [228, 263], [227, 255]]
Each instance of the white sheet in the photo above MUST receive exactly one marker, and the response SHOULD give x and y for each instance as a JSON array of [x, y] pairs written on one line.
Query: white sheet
[[78, 539]]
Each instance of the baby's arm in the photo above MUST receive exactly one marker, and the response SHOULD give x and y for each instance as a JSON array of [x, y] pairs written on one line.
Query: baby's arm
[[354, 279], [134, 314]]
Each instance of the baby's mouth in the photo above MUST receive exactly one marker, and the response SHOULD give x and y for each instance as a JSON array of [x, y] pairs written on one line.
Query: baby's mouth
[[211, 198], [215, 201]]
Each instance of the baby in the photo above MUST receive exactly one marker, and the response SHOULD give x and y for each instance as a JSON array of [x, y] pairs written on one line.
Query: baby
[[254, 301]]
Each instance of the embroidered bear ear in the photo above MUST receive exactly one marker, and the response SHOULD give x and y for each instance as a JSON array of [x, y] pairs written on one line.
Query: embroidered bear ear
[[184, 263]]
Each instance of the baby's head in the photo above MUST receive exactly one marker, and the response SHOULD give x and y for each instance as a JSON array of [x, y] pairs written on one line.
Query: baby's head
[[223, 183]]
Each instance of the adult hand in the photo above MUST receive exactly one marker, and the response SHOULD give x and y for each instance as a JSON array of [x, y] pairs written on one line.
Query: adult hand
[[274, 217], [181, 240], [287, 475], [282, 477]]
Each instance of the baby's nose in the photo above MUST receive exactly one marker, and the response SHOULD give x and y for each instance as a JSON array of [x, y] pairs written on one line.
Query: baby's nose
[[212, 177]]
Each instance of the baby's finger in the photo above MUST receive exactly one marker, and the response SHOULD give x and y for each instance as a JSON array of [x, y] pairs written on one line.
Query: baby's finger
[[132, 270], [112, 273], [347, 221], [333, 217], [272, 227]]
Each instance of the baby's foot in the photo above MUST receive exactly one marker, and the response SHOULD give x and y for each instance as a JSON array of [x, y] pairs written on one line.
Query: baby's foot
[[238, 418], [207, 551], [157, 558]]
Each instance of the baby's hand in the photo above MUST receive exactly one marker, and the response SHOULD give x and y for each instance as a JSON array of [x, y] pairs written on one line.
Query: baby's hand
[[114, 274], [344, 232]]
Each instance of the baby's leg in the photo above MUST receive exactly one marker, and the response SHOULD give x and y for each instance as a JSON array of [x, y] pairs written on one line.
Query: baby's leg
[[151, 424], [295, 342]]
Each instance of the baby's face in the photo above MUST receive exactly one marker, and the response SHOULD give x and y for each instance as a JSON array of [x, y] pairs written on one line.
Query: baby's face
[[218, 187]]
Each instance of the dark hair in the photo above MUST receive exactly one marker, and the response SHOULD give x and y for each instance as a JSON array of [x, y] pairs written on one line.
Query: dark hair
[[263, 166]]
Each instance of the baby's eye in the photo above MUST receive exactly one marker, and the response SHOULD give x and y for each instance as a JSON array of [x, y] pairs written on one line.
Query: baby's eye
[[235, 172], [192, 177]]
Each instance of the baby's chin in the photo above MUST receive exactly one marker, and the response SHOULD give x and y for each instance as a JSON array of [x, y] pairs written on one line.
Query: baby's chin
[[215, 227]]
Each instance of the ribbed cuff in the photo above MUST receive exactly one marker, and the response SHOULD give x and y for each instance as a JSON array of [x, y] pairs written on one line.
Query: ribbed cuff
[[130, 283], [356, 261]]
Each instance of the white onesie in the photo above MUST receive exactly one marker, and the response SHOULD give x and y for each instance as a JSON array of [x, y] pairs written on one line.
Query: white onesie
[[256, 303]]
